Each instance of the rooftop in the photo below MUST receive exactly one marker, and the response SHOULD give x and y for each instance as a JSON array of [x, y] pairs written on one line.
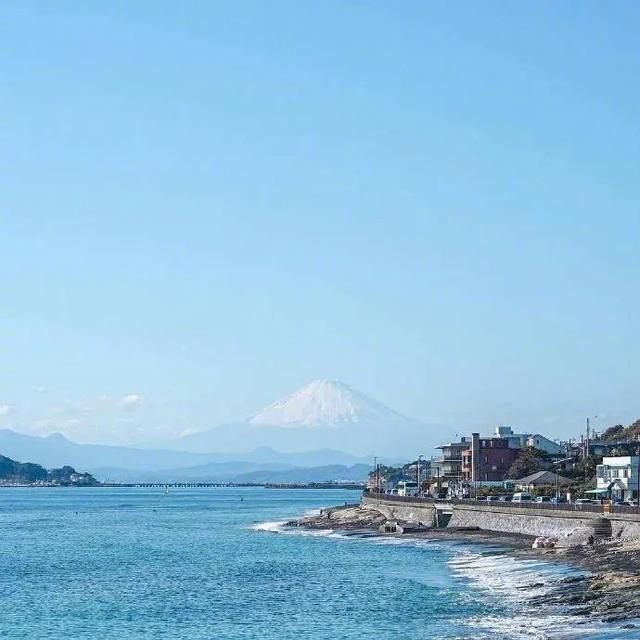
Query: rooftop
[[544, 477]]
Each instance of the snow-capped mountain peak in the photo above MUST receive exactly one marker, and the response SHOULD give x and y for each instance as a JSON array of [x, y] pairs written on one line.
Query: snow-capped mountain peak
[[325, 403]]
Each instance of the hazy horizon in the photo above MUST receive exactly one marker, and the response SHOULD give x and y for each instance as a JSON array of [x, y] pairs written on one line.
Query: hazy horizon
[[206, 206]]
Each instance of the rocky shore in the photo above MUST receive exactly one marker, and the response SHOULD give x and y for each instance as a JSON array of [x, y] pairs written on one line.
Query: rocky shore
[[609, 590]]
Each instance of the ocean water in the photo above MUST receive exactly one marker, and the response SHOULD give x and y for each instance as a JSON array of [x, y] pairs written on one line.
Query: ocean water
[[216, 563]]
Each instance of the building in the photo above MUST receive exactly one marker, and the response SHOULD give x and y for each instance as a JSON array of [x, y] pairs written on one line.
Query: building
[[514, 440], [538, 441], [482, 459], [449, 467], [617, 477], [542, 479], [487, 460], [522, 440]]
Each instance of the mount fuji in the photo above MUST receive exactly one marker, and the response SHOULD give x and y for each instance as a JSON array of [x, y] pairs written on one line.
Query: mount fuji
[[325, 403], [323, 414]]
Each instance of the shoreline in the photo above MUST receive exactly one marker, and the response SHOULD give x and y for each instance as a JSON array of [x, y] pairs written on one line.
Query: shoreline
[[608, 591]]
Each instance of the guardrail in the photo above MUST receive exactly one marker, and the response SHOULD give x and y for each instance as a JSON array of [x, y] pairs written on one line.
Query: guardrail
[[484, 504], [624, 509], [395, 498], [536, 506]]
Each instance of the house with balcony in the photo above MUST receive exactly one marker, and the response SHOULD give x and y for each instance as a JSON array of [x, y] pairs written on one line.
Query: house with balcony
[[449, 465], [617, 477]]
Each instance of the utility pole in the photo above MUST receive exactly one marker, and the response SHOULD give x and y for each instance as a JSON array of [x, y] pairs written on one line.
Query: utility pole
[[418, 474], [586, 449], [586, 455], [375, 472]]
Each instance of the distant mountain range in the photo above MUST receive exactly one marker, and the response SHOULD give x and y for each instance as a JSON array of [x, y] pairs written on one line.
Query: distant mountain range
[[127, 464], [328, 430], [241, 472]]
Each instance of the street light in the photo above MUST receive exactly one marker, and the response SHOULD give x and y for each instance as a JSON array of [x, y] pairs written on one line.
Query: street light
[[418, 473]]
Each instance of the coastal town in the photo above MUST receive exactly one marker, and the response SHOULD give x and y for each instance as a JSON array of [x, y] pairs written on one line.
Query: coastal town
[[525, 466], [573, 502]]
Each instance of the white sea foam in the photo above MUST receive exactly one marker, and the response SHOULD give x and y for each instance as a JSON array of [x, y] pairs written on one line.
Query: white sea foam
[[515, 581], [279, 527], [273, 527]]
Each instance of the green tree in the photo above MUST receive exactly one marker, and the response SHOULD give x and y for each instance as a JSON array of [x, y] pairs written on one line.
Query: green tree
[[529, 461]]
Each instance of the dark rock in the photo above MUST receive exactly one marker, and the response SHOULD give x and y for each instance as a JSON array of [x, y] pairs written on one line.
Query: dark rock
[[583, 611], [534, 585], [572, 579]]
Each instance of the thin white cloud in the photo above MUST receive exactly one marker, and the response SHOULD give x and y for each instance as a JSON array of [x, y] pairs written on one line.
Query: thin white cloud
[[131, 401], [5, 409], [187, 432]]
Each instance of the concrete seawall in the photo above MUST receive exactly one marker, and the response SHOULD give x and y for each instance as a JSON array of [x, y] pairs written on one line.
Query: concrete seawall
[[419, 513], [511, 519]]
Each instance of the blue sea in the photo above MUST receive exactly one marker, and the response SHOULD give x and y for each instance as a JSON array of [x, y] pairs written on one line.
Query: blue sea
[[216, 564]]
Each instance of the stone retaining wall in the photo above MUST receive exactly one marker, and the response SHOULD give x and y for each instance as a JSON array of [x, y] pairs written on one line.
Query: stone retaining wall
[[624, 528], [508, 519], [525, 521]]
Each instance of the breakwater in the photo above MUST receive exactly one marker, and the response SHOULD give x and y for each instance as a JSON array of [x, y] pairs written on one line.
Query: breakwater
[[572, 522]]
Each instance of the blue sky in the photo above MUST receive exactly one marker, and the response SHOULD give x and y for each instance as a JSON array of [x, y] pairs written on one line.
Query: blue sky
[[205, 205]]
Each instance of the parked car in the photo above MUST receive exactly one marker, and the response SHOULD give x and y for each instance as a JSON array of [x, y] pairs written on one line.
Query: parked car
[[543, 499], [493, 498], [557, 500], [584, 501], [522, 496]]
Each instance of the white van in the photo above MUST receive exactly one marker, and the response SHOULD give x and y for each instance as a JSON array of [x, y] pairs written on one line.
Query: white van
[[407, 488], [522, 497]]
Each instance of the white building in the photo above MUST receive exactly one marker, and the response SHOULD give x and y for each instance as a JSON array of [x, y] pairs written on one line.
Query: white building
[[522, 440], [618, 476], [544, 444]]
